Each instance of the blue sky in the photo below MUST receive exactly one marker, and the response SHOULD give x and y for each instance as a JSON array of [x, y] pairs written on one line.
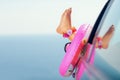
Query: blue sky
[[24, 17]]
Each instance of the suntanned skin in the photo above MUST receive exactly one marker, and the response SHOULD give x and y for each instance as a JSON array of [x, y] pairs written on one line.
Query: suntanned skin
[[65, 24]]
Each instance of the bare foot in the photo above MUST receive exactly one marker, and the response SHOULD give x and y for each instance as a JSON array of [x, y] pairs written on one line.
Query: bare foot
[[107, 37], [65, 22]]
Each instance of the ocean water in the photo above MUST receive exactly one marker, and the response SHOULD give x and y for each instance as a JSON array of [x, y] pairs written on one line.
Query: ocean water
[[37, 57]]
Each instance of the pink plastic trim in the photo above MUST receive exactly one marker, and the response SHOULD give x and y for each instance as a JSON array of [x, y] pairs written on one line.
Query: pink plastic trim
[[71, 51], [81, 67]]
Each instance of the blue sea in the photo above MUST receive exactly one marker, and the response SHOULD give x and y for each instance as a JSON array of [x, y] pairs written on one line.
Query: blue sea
[[37, 57]]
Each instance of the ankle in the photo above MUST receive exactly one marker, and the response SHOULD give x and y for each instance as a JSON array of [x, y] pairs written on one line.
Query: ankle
[[69, 33]]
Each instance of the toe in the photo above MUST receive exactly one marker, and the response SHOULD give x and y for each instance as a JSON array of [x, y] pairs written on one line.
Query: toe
[[112, 28], [69, 10]]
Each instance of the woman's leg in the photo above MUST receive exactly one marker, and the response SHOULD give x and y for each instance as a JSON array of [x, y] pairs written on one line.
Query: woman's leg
[[107, 37]]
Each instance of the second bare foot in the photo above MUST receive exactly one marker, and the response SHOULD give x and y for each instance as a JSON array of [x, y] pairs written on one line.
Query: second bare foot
[[107, 37]]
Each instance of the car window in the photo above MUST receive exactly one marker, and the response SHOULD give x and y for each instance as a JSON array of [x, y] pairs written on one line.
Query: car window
[[111, 54]]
